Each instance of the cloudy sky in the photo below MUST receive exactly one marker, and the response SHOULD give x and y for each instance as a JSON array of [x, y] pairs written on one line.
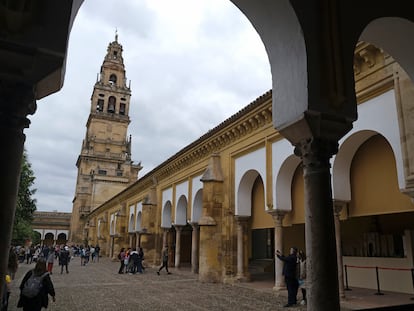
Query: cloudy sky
[[192, 64]]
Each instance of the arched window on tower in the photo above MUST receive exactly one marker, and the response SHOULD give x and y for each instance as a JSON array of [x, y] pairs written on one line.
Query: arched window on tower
[[112, 79], [100, 105], [111, 104], [122, 109]]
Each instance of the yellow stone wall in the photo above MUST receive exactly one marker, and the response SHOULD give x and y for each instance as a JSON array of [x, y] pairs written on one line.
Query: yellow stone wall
[[245, 132], [374, 181]]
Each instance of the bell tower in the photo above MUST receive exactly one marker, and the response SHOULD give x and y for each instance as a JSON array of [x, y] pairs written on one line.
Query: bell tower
[[104, 164]]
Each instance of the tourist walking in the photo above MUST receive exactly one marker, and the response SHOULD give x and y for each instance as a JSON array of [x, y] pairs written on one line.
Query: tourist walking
[[97, 250], [6, 293], [34, 300], [164, 261], [121, 258], [12, 264], [133, 260], [86, 255], [127, 263], [92, 251], [8, 279], [50, 261], [302, 276], [28, 255], [64, 259], [141, 258], [45, 251], [289, 271]]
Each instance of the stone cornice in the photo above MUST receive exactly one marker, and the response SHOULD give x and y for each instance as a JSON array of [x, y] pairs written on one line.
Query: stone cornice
[[100, 86], [252, 118], [51, 214], [113, 117], [373, 70]]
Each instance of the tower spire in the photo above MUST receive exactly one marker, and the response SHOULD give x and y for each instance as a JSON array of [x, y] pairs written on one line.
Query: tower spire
[[116, 34]]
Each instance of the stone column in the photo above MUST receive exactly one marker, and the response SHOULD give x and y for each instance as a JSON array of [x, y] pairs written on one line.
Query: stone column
[[130, 238], [17, 100], [337, 212], [178, 245], [111, 247], [164, 237], [194, 247], [322, 272], [278, 218], [242, 260]]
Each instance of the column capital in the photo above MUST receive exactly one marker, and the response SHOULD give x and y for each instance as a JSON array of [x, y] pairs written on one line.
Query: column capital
[[17, 100], [194, 225], [338, 206], [178, 227], [242, 219], [316, 152], [277, 216]]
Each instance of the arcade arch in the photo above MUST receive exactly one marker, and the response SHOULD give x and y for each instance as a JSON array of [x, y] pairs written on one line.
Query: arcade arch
[[197, 206], [49, 239], [138, 226], [181, 212], [166, 221], [131, 223]]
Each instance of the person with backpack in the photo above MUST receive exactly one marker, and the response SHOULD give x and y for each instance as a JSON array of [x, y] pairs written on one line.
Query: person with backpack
[[35, 288]]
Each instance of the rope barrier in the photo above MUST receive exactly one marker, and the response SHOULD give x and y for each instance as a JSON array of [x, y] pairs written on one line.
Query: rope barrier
[[382, 268], [377, 274]]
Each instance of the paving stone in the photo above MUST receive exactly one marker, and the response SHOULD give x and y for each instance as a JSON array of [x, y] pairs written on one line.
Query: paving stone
[[98, 286]]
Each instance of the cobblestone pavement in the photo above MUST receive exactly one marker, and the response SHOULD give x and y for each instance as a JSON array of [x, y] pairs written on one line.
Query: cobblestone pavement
[[98, 286]]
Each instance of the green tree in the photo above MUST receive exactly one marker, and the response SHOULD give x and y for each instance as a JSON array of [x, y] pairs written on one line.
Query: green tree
[[26, 204]]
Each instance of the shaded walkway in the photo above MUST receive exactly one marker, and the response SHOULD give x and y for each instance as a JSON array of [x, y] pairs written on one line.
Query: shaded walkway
[[356, 298]]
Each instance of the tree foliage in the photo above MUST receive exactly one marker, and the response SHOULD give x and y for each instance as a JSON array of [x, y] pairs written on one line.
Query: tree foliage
[[25, 205]]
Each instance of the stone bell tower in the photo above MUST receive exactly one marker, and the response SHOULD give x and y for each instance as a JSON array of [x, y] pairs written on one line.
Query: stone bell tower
[[104, 164]]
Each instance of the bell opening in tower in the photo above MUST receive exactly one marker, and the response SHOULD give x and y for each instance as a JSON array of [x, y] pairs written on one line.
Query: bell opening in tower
[[112, 79], [111, 104]]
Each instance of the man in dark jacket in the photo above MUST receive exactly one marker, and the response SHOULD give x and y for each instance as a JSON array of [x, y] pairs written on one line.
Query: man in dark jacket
[[64, 258], [290, 273]]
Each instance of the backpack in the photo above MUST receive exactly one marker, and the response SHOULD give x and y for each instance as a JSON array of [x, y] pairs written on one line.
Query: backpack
[[33, 285], [119, 256]]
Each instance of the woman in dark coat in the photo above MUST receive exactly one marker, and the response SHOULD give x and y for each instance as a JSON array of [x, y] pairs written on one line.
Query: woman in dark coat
[[42, 299]]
